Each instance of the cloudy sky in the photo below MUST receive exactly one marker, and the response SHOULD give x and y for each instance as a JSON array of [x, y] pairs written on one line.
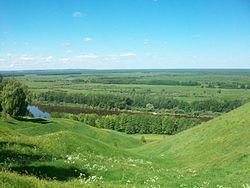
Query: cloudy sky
[[117, 34]]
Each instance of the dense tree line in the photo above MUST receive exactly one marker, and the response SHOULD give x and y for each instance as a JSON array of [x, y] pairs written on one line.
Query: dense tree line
[[170, 82], [148, 102], [228, 85], [215, 105], [135, 80], [108, 101], [136, 123]]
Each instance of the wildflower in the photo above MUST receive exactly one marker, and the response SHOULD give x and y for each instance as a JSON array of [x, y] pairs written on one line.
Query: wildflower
[[246, 185], [220, 186]]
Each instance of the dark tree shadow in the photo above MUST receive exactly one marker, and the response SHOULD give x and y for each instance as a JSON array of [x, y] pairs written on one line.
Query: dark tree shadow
[[34, 120], [51, 172]]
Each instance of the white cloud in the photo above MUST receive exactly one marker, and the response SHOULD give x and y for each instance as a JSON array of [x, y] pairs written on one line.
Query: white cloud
[[64, 59], [87, 56], [84, 60], [49, 58], [128, 55], [87, 39], [26, 58], [77, 14]]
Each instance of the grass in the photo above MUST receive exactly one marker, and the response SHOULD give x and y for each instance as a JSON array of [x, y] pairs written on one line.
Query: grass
[[66, 153]]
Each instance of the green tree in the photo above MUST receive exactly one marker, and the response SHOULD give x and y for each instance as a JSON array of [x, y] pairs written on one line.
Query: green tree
[[15, 98], [169, 125]]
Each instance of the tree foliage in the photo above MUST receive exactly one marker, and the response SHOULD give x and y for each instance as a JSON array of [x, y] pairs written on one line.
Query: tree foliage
[[14, 98], [147, 102], [134, 123]]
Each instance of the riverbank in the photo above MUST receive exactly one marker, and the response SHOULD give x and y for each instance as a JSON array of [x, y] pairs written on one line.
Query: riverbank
[[81, 110]]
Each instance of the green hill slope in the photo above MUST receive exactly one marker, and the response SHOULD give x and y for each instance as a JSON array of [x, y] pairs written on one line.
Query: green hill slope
[[65, 153], [227, 134], [220, 148], [107, 136]]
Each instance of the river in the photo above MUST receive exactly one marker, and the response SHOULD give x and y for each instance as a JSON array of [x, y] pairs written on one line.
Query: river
[[45, 110], [37, 112]]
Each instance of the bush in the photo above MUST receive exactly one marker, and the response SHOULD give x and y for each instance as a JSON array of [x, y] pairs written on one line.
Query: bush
[[143, 139]]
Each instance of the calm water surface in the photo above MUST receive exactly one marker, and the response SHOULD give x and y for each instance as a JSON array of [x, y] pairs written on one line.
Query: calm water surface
[[36, 112]]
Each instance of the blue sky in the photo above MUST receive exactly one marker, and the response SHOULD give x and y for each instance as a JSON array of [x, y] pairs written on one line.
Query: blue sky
[[117, 34]]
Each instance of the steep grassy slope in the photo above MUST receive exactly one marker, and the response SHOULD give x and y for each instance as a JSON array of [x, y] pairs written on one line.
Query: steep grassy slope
[[65, 153], [219, 149], [226, 134]]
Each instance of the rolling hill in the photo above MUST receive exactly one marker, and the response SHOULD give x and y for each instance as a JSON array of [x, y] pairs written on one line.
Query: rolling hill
[[66, 153]]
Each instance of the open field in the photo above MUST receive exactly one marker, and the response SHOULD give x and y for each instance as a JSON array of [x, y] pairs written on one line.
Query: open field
[[141, 86]]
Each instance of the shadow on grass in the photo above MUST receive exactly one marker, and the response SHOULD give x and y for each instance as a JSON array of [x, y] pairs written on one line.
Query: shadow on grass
[[9, 144], [22, 163], [34, 120], [11, 122], [51, 172], [9, 156]]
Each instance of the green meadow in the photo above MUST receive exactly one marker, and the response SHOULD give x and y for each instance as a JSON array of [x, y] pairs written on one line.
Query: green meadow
[[64, 153]]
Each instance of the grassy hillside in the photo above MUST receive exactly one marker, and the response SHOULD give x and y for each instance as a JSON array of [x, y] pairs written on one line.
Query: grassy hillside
[[65, 153], [219, 149]]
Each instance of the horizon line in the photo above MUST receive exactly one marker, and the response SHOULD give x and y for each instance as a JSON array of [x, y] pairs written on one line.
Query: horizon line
[[112, 69]]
